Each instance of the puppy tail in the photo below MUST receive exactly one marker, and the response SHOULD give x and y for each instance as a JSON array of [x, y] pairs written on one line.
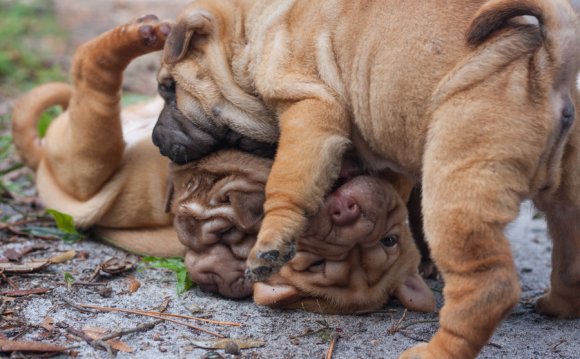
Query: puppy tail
[[551, 16], [26, 114]]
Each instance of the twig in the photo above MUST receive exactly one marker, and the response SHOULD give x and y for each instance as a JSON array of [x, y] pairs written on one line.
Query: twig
[[331, 347], [3, 307], [10, 282], [231, 324], [415, 322], [107, 309], [410, 336], [29, 235], [554, 347], [77, 307], [140, 328], [89, 340], [12, 168], [81, 283], [393, 329]]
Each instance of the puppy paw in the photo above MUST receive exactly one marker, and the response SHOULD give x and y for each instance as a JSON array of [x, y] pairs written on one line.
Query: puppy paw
[[117, 47], [266, 260], [555, 306], [420, 351]]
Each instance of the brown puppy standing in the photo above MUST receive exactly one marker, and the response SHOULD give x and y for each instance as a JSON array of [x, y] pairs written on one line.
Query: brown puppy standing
[[475, 98], [96, 162]]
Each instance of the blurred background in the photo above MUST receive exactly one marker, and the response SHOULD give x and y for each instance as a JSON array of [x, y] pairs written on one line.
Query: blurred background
[[37, 40]]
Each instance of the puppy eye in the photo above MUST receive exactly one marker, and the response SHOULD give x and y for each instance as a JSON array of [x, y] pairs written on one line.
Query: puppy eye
[[317, 266], [390, 240], [227, 231]]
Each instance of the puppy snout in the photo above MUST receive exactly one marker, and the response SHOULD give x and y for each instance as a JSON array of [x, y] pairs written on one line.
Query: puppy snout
[[343, 209]]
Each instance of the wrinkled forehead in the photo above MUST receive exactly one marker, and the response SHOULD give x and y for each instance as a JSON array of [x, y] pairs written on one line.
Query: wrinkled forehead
[[223, 170]]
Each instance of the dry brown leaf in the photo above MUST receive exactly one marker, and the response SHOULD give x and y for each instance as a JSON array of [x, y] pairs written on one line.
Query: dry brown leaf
[[24, 267], [242, 343], [24, 292], [120, 346], [133, 284], [116, 265], [96, 333], [28, 346], [48, 323], [63, 257]]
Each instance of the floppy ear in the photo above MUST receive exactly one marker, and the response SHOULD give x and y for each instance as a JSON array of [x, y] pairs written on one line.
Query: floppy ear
[[248, 206], [197, 23], [415, 295]]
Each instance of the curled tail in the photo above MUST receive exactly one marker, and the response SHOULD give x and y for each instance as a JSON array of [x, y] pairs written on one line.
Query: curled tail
[[26, 114]]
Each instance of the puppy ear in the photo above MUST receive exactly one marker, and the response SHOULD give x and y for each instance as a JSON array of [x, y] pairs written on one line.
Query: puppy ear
[[415, 295], [275, 295], [197, 23], [248, 207]]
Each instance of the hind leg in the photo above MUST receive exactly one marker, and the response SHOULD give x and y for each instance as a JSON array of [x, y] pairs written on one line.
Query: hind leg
[[86, 150], [476, 172], [563, 216]]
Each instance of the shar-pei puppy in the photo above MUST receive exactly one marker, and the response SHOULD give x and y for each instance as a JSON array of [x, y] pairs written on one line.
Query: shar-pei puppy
[[476, 99], [357, 250]]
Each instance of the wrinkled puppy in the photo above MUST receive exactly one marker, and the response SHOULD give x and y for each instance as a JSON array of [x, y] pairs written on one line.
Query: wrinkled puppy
[[96, 162], [357, 251], [477, 99]]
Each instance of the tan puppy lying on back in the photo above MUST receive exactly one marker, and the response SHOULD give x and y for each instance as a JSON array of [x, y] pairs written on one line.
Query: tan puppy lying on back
[[96, 162], [475, 98]]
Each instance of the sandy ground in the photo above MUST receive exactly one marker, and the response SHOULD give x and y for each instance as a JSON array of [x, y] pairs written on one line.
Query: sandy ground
[[524, 334], [284, 334]]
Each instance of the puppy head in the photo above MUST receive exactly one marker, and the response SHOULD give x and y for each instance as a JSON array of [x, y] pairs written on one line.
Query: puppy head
[[203, 100], [217, 203], [357, 252]]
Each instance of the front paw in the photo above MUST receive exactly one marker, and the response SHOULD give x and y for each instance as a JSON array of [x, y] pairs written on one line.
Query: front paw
[[554, 306], [269, 254], [420, 351]]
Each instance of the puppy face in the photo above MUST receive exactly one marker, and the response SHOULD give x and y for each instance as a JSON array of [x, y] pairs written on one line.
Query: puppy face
[[356, 252], [186, 131], [217, 203], [205, 108]]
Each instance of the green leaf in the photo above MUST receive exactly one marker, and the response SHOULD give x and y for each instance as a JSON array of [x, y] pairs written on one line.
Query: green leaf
[[46, 119], [64, 222], [183, 282], [68, 279], [176, 265], [53, 232]]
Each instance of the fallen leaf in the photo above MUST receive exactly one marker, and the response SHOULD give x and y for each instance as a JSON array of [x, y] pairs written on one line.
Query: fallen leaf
[[96, 333], [48, 323], [24, 267], [28, 346], [24, 292], [116, 265], [14, 255], [63, 257], [134, 284], [120, 346], [242, 343]]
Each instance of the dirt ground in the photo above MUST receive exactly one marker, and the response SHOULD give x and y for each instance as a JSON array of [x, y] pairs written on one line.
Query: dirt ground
[[54, 316]]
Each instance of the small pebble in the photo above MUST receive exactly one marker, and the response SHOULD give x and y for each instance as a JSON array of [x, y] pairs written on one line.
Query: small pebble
[[232, 348], [105, 292]]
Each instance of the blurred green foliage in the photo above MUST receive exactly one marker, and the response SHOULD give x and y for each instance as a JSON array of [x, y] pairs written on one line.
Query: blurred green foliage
[[25, 52]]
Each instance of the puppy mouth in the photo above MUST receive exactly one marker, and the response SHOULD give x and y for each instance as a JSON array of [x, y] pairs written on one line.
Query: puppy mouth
[[349, 171]]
